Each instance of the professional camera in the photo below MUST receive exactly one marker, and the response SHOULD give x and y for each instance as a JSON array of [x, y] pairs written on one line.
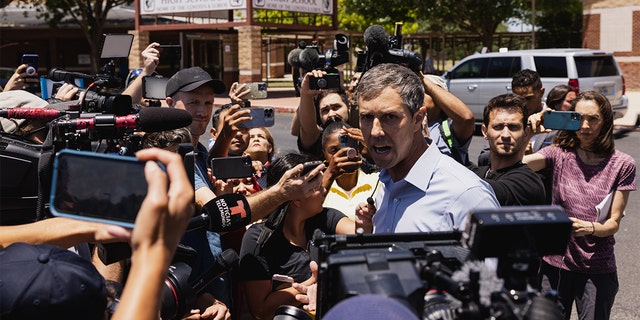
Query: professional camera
[[442, 275], [311, 58], [382, 48]]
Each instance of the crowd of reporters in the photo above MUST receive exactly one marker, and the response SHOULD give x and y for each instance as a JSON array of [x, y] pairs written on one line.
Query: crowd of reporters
[[393, 152]]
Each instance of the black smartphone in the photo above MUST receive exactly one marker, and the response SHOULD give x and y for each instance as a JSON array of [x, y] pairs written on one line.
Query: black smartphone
[[328, 81], [170, 52], [562, 120], [258, 90], [97, 187], [260, 117], [154, 87], [31, 60], [308, 166], [231, 167]]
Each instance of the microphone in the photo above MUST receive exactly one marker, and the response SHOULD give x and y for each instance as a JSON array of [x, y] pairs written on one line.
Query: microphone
[[227, 212], [147, 120], [47, 114], [309, 58], [294, 58], [376, 38], [67, 76]]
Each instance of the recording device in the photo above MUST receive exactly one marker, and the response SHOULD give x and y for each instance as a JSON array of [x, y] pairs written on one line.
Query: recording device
[[31, 60], [308, 166], [279, 282], [180, 293], [328, 81], [421, 270], [311, 58], [227, 212], [353, 147], [97, 187], [170, 52], [116, 46], [154, 87], [147, 120], [258, 90], [382, 48], [562, 120], [231, 167], [260, 117]]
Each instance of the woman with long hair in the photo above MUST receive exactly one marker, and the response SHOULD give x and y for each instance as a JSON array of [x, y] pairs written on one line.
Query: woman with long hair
[[591, 181]]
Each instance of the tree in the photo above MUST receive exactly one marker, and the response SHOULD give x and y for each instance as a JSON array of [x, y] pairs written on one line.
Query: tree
[[90, 15], [481, 17], [559, 23]]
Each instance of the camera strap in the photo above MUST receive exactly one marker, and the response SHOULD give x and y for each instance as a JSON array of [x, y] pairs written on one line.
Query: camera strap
[[272, 223], [45, 172]]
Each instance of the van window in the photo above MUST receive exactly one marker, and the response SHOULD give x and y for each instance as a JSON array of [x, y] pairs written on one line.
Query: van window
[[475, 68], [597, 66], [503, 67], [551, 67]]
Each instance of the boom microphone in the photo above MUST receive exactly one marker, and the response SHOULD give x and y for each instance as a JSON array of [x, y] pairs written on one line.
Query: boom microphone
[[294, 58], [227, 212], [147, 120], [376, 38], [47, 114], [68, 76]]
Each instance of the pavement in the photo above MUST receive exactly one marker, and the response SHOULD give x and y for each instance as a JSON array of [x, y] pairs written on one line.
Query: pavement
[[285, 100]]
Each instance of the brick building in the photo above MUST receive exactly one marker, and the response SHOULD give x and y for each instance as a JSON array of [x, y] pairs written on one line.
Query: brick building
[[614, 25]]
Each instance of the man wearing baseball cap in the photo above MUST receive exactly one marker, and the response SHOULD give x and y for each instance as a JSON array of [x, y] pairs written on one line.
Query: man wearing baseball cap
[[194, 90]]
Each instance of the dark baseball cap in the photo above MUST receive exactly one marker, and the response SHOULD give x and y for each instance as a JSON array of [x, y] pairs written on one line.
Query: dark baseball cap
[[190, 79], [44, 281]]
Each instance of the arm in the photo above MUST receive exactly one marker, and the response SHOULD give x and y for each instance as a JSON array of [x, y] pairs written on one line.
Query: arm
[[263, 302], [229, 119], [463, 123], [610, 226], [151, 57], [535, 161], [161, 221], [19, 79], [307, 116], [62, 232]]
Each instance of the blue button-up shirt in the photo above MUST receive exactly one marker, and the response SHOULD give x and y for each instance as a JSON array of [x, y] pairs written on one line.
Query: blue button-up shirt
[[436, 195]]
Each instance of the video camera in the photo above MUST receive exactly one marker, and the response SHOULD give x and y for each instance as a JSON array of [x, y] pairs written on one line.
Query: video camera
[[438, 275], [382, 48], [309, 57]]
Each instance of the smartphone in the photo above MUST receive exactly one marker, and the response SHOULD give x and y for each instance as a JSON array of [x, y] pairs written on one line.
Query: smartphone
[[328, 81], [231, 167], [31, 60], [170, 52], [258, 90], [154, 87], [260, 117], [352, 153], [279, 282], [308, 166], [97, 187], [562, 120]]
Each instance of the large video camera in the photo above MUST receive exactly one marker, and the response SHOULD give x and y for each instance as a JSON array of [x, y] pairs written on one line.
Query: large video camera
[[382, 48], [309, 57], [442, 275]]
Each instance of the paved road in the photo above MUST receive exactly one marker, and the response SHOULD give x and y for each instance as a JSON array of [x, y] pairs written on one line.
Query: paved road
[[627, 304]]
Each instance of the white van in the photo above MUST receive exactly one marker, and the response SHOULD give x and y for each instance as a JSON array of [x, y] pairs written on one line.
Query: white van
[[481, 76]]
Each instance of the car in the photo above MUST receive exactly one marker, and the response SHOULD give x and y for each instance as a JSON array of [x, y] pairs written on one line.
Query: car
[[481, 76]]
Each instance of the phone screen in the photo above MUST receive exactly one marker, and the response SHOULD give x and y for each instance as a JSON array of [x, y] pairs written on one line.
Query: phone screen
[[154, 87], [116, 46], [98, 187]]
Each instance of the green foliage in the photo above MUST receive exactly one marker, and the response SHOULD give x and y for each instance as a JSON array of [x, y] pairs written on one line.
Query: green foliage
[[559, 23]]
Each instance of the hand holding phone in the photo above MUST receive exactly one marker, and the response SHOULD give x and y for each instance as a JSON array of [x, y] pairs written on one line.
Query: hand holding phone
[[32, 61], [562, 120], [257, 90], [260, 117]]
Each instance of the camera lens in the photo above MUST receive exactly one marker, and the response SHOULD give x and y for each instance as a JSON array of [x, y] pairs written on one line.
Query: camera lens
[[322, 83], [31, 71]]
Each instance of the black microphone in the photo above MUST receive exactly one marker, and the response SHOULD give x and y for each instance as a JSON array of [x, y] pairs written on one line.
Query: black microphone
[[294, 58], [309, 58], [225, 262], [47, 114], [227, 212], [376, 38], [68, 76], [147, 120]]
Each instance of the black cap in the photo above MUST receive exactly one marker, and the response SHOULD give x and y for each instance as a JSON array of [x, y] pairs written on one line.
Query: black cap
[[190, 79], [39, 281]]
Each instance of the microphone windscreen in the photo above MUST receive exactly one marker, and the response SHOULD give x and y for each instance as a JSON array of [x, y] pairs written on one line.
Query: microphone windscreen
[[161, 119], [309, 58], [376, 38], [227, 212], [294, 58]]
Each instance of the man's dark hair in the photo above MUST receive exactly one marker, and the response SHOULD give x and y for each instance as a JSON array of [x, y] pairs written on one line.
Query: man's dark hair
[[404, 81], [284, 163], [526, 78], [509, 101]]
